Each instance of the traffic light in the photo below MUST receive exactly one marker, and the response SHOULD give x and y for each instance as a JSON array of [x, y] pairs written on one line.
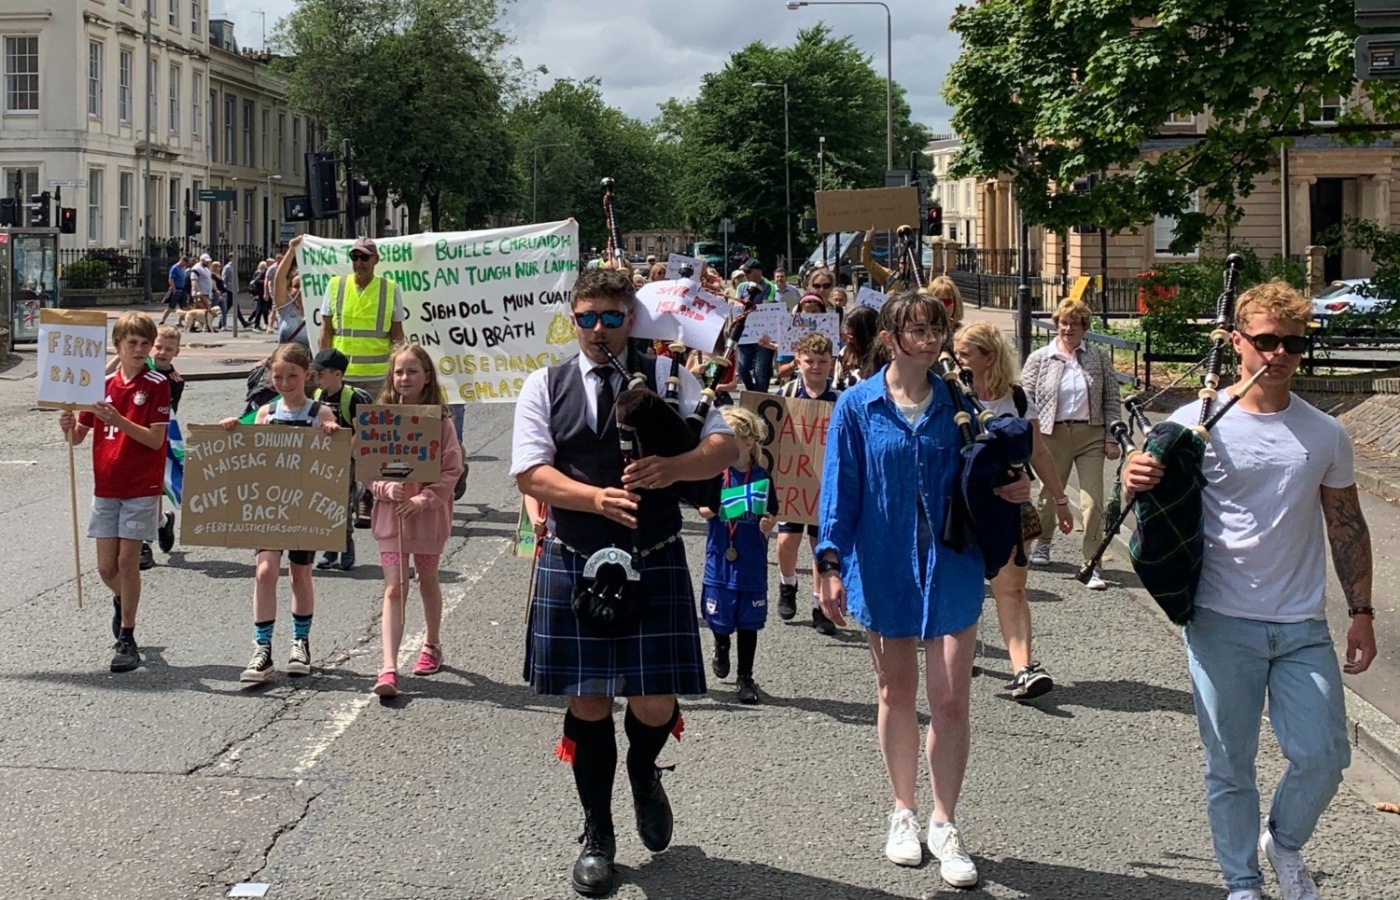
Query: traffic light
[[9, 212], [361, 203], [40, 210], [933, 219], [1083, 185], [192, 219], [322, 185], [296, 209], [67, 220]]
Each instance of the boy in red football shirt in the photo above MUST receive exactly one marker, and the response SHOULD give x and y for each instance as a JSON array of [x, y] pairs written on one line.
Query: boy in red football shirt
[[128, 462]]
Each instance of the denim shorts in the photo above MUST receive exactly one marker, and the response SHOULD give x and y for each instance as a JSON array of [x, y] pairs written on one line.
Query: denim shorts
[[130, 518]]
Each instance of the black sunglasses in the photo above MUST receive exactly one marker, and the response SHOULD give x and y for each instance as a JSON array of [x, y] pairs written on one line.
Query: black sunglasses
[[1293, 344], [821, 285], [360, 257], [611, 319]]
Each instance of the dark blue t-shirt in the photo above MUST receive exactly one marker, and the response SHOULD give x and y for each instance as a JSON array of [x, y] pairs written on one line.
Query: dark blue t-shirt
[[179, 277], [800, 392], [749, 572]]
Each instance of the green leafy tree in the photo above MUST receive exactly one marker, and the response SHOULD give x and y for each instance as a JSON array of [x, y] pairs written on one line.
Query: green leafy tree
[[1051, 90], [730, 137]]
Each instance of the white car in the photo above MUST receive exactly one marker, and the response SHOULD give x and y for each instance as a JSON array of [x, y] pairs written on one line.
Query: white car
[[1356, 295]]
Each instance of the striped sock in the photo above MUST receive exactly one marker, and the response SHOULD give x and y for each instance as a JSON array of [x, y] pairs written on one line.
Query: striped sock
[[301, 627], [263, 631]]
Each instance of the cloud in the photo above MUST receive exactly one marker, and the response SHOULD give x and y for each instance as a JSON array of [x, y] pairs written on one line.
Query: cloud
[[647, 51]]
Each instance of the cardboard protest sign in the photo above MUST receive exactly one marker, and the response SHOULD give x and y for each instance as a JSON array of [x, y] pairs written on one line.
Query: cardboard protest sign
[[676, 260], [793, 451], [72, 358], [680, 310], [525, 540], [881, 208], [265, 487], [868, 296], [490, 307], [767, 318], [398, 443], [802, 324]]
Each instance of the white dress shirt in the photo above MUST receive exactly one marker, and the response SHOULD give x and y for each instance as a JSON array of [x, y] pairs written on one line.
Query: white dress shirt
[[533, 445], [1072, 400]]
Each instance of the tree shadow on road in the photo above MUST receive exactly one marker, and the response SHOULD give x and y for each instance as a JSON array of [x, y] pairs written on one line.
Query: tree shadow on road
[[1036, 878], [1125, 696]]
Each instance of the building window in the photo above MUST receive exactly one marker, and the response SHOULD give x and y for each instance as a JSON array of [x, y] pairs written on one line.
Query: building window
[[196, 16], [230, 126], [266, 138], [1327, 110], [152, 106], [250, 198], [213, 125], [1181, 118], [174, 13], [28, 182], [95, 78], [94, 211], [967, 197], [296, 145], [22, 74], [175, 99], [281, 142], [124, 87], [1163, 228], [197, 106], [248, 134], [126, 186], [174, 208]]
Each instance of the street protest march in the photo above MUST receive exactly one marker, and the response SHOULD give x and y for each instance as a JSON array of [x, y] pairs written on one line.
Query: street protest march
[[793, 451], [490, 307], [398, 443], [265, 487]]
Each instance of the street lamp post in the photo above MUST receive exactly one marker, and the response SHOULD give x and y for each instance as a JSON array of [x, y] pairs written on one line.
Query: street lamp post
[[787, 163], [267, 216], [889, 64], [534, 181]]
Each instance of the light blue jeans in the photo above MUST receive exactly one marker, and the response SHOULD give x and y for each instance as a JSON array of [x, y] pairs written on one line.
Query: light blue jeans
[[1235, 664]]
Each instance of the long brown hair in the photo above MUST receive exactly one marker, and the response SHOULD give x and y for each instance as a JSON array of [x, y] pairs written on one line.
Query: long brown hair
[[899, 310], [433, 387]]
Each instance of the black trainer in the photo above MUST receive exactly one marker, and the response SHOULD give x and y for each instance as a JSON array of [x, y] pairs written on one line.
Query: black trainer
[[719, 663], [127, 656], [654, 819], [165, 536], [787, 601], [593, 870], [116, 617], [822, 623], [148, 558], [748, 691], [1031, 682]]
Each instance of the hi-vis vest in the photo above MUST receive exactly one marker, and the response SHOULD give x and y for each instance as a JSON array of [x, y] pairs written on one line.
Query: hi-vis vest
[[362, 324]]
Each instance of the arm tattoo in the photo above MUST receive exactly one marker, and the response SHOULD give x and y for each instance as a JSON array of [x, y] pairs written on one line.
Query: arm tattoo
[[1351, 543]]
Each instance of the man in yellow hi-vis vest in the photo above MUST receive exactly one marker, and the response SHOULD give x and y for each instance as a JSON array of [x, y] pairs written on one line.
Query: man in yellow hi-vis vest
[[362, 317]]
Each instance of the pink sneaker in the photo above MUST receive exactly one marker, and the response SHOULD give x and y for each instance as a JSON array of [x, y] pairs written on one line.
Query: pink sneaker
[[429, 660], [387, 685]]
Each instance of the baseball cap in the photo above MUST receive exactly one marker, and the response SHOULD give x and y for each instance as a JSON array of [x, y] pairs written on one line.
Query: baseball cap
[[752, 264], [365, 245], [330, 358], [205, 258]]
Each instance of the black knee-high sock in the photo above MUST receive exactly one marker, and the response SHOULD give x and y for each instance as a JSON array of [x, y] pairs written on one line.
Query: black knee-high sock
[[591, 748], [644, 743], [748, 646], [722, 642]]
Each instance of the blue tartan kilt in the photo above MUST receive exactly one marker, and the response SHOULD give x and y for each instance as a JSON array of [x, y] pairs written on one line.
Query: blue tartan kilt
[[566, 656]]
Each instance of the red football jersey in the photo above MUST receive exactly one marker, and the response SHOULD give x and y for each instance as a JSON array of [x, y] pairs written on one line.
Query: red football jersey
[[122, 466]]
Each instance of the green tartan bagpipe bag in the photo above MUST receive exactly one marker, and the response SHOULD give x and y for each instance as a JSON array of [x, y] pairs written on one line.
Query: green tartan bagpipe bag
[[1168, 544]]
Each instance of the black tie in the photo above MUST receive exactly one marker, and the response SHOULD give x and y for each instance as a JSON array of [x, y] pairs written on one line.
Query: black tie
[[606, 396]]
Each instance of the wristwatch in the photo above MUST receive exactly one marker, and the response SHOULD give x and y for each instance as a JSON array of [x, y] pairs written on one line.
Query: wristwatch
[[828, 564], [1352, 613]]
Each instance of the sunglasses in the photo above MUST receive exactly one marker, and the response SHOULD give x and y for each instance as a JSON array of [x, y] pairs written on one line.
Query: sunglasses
[[611, 319], [360, 257], [821, 285], [1293, 344]]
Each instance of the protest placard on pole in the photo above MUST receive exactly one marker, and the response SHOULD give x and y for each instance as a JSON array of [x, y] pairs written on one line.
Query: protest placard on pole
[[72, 375], [878, 208], [793, 451], [398, 443], [675, 261], [489, 307], [680, 310], [767, 318], [802, 324], [868, 296], [265, 487]]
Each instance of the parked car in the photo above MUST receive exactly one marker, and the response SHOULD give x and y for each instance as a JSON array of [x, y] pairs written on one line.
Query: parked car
[[1353, 295]]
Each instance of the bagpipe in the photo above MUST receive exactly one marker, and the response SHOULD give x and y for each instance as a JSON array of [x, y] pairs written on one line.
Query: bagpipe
[[994, 452], [615, 248], [1168, 542]]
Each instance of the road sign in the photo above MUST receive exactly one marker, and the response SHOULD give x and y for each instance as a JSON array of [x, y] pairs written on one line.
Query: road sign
[[68, 182], [726, 226], [1378, 57], [288, 231], [207, 195]]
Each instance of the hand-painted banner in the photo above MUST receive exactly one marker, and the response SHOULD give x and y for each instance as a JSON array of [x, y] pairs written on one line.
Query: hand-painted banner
[[72, 358], [490, 307], [671, 310], [767, 318], [398, 443], [793, 449], [676, 260], [868, 296], [802, 324]]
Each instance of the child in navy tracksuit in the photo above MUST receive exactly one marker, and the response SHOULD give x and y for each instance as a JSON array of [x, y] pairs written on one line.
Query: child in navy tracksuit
[[736, 559]]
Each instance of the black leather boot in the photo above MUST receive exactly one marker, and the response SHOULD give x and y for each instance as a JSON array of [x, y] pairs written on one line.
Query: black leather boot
[[654, 819], [593, 870]]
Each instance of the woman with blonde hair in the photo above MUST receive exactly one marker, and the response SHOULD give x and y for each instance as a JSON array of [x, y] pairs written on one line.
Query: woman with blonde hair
[[946, 292], [1076, 389], [982, 349]]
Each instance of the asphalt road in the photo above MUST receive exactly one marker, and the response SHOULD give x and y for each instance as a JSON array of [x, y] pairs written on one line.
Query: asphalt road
[[176, 782]]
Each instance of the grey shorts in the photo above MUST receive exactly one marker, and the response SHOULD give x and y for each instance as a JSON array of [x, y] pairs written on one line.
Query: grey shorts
[[132, 519]]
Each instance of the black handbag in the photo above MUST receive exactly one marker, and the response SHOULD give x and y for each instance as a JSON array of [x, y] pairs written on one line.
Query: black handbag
[[608, 593]]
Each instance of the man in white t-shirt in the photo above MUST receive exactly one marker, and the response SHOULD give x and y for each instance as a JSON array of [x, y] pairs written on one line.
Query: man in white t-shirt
[[1276, 468]]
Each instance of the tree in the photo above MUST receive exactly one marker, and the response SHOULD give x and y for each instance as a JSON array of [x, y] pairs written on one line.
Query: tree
[[730, 138], [1052, 90]]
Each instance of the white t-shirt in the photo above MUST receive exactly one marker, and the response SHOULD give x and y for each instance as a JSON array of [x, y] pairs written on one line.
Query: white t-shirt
[[1263, 515], [1006, 406], [203, 279]]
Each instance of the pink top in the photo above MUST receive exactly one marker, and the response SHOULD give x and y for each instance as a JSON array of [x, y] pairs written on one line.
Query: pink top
[[428, 530]]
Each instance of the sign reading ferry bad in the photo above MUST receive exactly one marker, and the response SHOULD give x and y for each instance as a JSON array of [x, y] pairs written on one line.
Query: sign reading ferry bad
[[490, 307]]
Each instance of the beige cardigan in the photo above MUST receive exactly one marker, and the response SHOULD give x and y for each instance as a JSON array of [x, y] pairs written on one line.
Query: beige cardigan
[[1040, 376]]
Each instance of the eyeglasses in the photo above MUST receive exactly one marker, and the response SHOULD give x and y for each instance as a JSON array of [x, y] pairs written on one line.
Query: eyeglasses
[[360, 257], [923, 335], [1293, 344], [611, 319]]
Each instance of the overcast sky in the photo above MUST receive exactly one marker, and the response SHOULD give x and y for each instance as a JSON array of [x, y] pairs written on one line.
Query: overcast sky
[[647, 52]]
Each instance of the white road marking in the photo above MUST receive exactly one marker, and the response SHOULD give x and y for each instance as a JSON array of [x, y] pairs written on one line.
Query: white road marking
[[343, 717], [19, 462]]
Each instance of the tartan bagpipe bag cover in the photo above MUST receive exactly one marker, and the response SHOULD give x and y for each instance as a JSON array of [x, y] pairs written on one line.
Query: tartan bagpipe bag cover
[[1167, 543]]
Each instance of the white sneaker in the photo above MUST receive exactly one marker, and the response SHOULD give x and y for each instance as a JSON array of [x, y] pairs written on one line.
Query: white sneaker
[[1096, 582], [1295, 882], [956, 867], [1246, 894], [1040, 553], [902, 846]]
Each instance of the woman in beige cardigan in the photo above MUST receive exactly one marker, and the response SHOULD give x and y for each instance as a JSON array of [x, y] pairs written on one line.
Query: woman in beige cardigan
[[1074, 387]]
